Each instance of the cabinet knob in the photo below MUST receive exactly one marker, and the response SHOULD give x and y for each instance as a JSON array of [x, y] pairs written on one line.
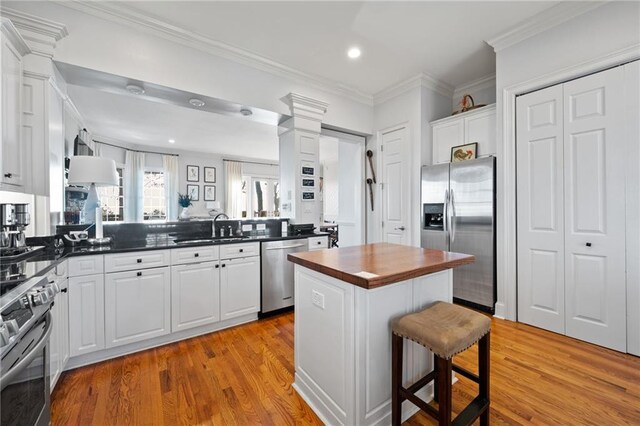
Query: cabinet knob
[[196, 255], [64, 290], [139, 274], [588, 244], [217, 266], [241, 250], [139, 260], [223, 265], [319, 242], [8, 175]]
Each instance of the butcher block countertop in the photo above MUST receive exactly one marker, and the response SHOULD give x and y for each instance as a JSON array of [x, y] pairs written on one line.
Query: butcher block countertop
[[375, 265]]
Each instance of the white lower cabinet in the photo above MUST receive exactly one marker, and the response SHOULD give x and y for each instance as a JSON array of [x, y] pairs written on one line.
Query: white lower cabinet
[[59, 340], [195, 295], [137, 305], [239, 286], [86, 314]]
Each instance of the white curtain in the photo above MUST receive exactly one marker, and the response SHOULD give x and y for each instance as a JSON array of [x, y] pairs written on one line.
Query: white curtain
[[134, 186], [171, 185], [97, 149], [233, 175]]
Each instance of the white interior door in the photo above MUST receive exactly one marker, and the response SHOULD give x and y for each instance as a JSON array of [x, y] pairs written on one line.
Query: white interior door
[[594, 148], [395, 190], [540, 201]]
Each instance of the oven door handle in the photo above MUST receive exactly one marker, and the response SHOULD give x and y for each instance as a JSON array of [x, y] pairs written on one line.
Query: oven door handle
[[8, 377]]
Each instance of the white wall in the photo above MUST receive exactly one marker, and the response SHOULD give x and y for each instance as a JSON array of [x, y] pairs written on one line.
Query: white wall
[[556, 55], [484, 94], [417, 107], [134, 52]]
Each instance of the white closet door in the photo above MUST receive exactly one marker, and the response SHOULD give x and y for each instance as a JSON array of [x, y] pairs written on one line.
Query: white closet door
[[395, 193], [594, 151], [540, 201]]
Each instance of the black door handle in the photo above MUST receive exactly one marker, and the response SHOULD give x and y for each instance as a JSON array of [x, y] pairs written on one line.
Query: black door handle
[[139, 260], [139, 274], [8, 175], [64, 290], [588, 244]]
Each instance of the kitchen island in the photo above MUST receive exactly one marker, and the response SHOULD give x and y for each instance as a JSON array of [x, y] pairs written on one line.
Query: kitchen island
[[345, 301]]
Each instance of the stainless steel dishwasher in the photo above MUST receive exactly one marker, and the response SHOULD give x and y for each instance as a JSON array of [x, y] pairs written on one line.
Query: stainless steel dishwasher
[[277, 273]]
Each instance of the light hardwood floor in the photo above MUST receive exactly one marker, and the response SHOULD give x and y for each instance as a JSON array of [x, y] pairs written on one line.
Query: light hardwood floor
[[243, 376]]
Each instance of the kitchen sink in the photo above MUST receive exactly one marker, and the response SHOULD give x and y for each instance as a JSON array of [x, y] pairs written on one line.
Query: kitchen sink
[[209, 240]]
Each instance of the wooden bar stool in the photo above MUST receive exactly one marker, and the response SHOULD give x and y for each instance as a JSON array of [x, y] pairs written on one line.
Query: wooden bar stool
[[446, 330]]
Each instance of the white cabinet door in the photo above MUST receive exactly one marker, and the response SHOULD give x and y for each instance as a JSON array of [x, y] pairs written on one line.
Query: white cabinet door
[[195, 295], [239, 286], [59, 340], [86, 314], [137, 305], [540, 202], [446, 136], [395, 193], [481, 128], [12, 150], [594, 152]]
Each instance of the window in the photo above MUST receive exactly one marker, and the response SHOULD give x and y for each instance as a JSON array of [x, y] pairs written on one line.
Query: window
[[155, 207], [261, 196], [112, 200]]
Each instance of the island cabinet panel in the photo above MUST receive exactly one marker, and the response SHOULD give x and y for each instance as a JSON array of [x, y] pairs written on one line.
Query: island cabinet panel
[[137, 305], [239, 286], [351, 382], [86, 314], [195, 295]]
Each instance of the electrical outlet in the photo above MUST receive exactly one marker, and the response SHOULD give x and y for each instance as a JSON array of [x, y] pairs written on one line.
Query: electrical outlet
[[317, 299], [261, 227], [247, 228]]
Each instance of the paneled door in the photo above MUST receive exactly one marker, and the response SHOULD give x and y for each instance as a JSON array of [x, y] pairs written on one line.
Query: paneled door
[[395, 190], [594, 150], [540, 203]]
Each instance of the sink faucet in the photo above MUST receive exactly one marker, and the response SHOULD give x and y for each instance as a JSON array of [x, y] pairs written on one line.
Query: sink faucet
[[213, 224]]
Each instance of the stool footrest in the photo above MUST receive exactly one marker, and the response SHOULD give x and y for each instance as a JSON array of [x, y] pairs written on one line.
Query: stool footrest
[[422, 382], [472, 411], [404, 393], [466, 373]]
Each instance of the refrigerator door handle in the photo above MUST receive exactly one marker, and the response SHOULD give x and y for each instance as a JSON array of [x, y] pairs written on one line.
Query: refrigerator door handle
[[453, 216], [445, 221]]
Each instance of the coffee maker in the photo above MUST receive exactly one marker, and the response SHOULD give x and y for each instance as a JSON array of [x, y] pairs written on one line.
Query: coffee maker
[[14, 218]]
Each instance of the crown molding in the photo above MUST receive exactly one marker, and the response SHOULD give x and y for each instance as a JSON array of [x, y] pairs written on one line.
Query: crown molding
[[40, 34], [121, 14], [475, 85], [543, 21], [11, 32], [420, 80]]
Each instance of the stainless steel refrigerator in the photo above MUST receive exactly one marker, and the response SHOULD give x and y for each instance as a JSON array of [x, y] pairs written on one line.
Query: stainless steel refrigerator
[[458, 214]]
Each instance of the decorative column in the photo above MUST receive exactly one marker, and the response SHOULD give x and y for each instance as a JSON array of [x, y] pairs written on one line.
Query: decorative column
[[299, 160]]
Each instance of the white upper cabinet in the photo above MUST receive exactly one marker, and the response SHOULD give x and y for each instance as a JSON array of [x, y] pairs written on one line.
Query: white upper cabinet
[[13, 48], [475, 126]]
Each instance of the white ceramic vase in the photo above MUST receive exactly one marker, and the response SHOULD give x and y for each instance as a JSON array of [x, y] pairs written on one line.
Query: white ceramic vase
[[184, 214]]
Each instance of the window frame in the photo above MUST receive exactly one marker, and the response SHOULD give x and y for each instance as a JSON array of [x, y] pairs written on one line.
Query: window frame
[[154, 170], [120, 168]]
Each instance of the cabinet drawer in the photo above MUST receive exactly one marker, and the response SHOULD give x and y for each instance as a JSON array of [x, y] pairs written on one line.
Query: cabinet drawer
[[136, 260], [86, 265], [231, 251], [318, 243], [194, 254]]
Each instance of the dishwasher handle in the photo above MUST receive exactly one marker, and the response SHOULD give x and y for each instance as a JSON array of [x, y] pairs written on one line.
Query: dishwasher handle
[[285, 247]]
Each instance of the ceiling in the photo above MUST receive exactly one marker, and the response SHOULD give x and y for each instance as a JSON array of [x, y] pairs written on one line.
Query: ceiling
[[399, 40], [119, 117]]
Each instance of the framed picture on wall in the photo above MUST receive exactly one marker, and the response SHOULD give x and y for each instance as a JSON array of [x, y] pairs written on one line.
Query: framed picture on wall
[[209, 175], [464, 152], [308, 183], [194, 192], [209, 192], [193, 173]]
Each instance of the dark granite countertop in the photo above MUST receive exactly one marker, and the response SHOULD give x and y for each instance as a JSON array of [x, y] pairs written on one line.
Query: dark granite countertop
[[45, 261]]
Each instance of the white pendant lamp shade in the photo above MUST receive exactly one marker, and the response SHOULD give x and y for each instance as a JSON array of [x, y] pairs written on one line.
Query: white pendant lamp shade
[[85, 170]]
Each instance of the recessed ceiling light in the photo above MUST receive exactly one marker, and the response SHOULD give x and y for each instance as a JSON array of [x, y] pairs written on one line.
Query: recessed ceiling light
[[354, 53], [172, 141], [135, 89], [246, 111], [196, 102]]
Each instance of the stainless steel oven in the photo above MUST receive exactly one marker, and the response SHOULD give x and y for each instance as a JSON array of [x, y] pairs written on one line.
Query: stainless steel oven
[[25, 327]]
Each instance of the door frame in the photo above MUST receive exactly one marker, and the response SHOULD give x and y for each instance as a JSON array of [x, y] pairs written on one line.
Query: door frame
[[506, 306]]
